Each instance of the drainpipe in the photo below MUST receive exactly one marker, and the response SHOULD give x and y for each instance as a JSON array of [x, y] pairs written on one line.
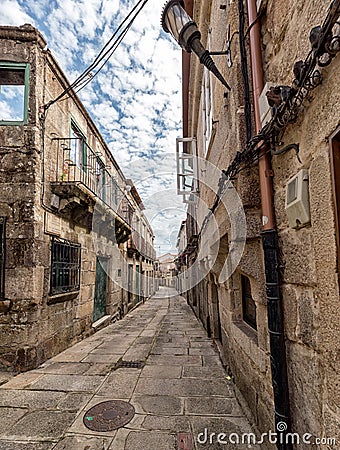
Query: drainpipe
[[271, 253], [189, 6]]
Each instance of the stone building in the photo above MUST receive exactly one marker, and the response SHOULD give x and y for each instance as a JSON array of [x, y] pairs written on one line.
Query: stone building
[[275, 63], [67, 213], [166, 269], [140, 253]]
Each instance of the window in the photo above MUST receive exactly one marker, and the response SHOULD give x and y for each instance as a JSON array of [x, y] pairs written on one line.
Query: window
[[2, 256], [65, 266], [187, 169], [335, 166], [100, 179], [248, 304], [114, 193], [14, 78], [78, 148]]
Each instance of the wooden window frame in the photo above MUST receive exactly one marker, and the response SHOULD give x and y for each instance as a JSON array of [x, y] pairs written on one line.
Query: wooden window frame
[[82, 142], [246, 295], [25, 67], [334, 144]]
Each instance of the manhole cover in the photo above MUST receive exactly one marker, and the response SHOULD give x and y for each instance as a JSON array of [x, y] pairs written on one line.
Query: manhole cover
[[108, 416], [132, 364], [129, 364]]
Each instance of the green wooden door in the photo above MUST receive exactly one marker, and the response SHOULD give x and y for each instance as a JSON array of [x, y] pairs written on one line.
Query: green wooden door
[[137, 284], [99, 308], [130, 273]]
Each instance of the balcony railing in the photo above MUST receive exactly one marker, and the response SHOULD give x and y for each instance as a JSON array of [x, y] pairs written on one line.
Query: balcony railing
[[78, 163], [137, 244]]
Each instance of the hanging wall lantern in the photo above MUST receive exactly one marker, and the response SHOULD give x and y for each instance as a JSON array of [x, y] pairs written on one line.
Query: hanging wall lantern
[[184, 30]]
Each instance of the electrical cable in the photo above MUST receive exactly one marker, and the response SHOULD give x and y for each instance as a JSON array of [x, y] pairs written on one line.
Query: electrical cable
[[244, 68], [84, 79]]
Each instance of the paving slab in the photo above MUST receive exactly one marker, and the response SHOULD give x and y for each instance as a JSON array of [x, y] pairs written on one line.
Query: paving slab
[[177, 351], [215, 406], [204, 372], [9, 416], [5, 376], [161, 372], [174, 360], [67, 368], [47, 425], [83, 443], [74, 401], [120, 384], [174, 424], [157, 404], [138, 440], [21, 381], [100, 368], [10, 445], [80, 383], [204, 351], [102, 358], [183, 387], [31, 399]]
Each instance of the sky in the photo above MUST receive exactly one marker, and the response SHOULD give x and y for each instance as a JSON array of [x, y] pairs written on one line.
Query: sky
[[135, 101]]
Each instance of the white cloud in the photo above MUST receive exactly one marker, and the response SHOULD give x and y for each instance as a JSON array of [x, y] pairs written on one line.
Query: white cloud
[[12, 13]]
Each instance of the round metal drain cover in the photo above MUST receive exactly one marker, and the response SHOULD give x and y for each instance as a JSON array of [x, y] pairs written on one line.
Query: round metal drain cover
[[108, 416]]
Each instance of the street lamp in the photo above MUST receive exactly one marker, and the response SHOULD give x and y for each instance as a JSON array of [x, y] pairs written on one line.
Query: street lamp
[[184, 30]]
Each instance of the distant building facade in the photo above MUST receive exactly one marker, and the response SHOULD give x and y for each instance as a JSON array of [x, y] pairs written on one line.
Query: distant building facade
[[305, 194], [67, 213], [166, 269]]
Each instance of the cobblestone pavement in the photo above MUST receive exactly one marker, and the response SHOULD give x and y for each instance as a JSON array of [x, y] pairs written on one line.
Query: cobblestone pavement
[[182, 387]]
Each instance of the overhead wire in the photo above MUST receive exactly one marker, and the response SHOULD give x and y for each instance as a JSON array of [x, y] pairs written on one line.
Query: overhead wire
[[106, 52]]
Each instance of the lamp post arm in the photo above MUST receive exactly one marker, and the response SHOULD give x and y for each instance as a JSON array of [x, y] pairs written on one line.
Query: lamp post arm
[[206, 60]]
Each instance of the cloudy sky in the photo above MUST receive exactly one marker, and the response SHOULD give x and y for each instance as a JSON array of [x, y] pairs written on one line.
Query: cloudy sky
[[135, 100]]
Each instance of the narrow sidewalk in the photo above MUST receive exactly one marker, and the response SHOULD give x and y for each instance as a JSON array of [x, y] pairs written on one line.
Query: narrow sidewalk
[[181, 387]]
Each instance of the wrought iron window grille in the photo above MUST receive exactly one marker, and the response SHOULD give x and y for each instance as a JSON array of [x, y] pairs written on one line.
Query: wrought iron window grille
[[65, 266]]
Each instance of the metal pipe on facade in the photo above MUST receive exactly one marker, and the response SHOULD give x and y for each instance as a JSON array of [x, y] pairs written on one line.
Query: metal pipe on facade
[[271, 252], [189, 6]]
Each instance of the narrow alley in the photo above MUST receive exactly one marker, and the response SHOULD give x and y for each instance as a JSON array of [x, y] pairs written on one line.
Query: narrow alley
[[180, 389]]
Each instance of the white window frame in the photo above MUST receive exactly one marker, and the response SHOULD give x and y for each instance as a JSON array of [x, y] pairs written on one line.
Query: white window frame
[[187, 168]]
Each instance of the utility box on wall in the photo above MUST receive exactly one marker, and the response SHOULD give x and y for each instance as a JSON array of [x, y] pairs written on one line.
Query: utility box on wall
[[297, 200]]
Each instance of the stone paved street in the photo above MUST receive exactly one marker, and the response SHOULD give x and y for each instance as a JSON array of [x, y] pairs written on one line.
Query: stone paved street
[[182, 387]]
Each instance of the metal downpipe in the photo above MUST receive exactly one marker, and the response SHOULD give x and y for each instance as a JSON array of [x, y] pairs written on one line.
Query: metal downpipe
[[271, 254]]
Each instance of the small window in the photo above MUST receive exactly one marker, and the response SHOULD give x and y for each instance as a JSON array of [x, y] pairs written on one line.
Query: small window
[[114, 194], [14, 79], [335, 166], [100, 179], [65, 266], [248, 304], [78, 149], [2, 256]]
